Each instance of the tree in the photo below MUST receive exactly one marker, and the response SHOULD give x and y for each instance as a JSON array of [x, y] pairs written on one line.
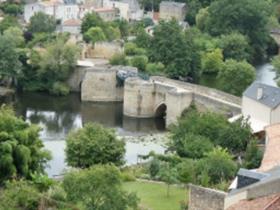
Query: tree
[[123, 26], [15, 36], [235, 46], [168, 174], [10, 66], [186, 171], [112, 33], [190, 137], [236, 76], [253, 155], [143, 39], [218, 165], [21, 150], [201, 18], [57, 62], [242, 16], [11, 8], [236, 136], [194, 146], [212, 62], [42, 23], [98, 188], [92, 145], [154, 167], [170, 47], [7, 22], [94, 34], [91, 20]]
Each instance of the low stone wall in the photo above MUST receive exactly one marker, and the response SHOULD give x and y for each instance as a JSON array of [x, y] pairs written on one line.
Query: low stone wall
[[201, 198], [106, 49]]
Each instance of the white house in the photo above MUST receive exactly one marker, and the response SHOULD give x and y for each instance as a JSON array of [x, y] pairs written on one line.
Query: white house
[[59, 10], [128, 9], [261, 103]]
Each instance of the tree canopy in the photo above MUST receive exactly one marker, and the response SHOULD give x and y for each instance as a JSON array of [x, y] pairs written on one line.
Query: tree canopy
[[42, 23], [92, 145], [98, 188], [21, 151]]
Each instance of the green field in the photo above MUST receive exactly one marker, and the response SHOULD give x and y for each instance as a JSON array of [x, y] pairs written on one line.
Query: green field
[[153, 195]]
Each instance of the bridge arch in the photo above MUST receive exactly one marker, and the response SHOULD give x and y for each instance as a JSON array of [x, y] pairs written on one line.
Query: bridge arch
[[160, 111]]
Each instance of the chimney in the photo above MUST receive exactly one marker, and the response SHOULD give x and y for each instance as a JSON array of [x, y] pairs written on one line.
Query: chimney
[[259, 93]]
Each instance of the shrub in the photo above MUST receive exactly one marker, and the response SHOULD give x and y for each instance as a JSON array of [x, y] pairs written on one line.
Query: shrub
[[60, 89], [155, 68], [139, 61], [118, 59]]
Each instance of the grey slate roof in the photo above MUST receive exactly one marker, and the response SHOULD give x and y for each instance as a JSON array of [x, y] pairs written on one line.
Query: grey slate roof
[[271, 95]]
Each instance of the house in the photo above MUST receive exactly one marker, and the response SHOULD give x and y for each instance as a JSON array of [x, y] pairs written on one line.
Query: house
[[58, 9], [72, 26], [107, 13], [128, 9], [171, 9], [261, 104]]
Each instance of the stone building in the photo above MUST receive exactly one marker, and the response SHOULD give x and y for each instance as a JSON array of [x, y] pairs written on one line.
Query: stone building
[[261, 103], [72, 26], [171, 9]]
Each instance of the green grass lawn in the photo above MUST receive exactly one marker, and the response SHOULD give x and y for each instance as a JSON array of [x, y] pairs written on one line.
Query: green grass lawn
[[153, 195]]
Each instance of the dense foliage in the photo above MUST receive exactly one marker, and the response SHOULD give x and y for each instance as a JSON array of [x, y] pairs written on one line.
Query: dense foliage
[[21, 150], [98, 188], [92, 145]]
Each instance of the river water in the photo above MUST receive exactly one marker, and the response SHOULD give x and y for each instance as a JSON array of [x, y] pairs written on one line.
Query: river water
[[58, 115]]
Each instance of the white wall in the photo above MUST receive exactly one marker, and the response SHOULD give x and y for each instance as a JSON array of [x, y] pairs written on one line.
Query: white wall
[[255, 110], [275, 115]]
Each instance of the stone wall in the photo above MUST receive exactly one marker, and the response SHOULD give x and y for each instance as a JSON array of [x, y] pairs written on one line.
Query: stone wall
[[76, 78], [106, 49], [101, 85], [201, 198]]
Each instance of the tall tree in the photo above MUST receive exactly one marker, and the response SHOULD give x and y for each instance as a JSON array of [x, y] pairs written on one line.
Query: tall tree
[[10, 66], [170, 47], [42, 23], [21, 150], [236, 76], [248, 17]]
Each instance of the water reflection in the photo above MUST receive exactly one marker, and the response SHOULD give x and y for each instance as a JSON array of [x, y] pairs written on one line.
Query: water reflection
[[58, 115], [266, 74]]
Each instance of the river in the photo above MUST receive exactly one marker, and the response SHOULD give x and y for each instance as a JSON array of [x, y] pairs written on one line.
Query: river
[[58, 115]]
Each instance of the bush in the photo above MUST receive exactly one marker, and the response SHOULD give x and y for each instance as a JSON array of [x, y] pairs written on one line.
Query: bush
[[19, 194], [139, 61], [60, 89], [130, 48], [155, 68], [127, 176], [118, 59], [154, 167]]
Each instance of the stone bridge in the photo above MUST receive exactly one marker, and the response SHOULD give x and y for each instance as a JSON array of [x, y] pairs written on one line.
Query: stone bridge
[[161, 96], [156, 97]]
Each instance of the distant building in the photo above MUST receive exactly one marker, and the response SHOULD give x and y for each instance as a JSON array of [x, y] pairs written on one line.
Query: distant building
[[72, 26], [107, 13], [58, 9], [261, 103], [128, 9], [171, 9]]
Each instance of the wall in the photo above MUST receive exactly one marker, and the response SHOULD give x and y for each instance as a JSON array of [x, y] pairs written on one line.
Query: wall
[[106, 49], [76, 79], [101, 85], [201, 198], [139, 98], [258, 110], [275, 115]]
